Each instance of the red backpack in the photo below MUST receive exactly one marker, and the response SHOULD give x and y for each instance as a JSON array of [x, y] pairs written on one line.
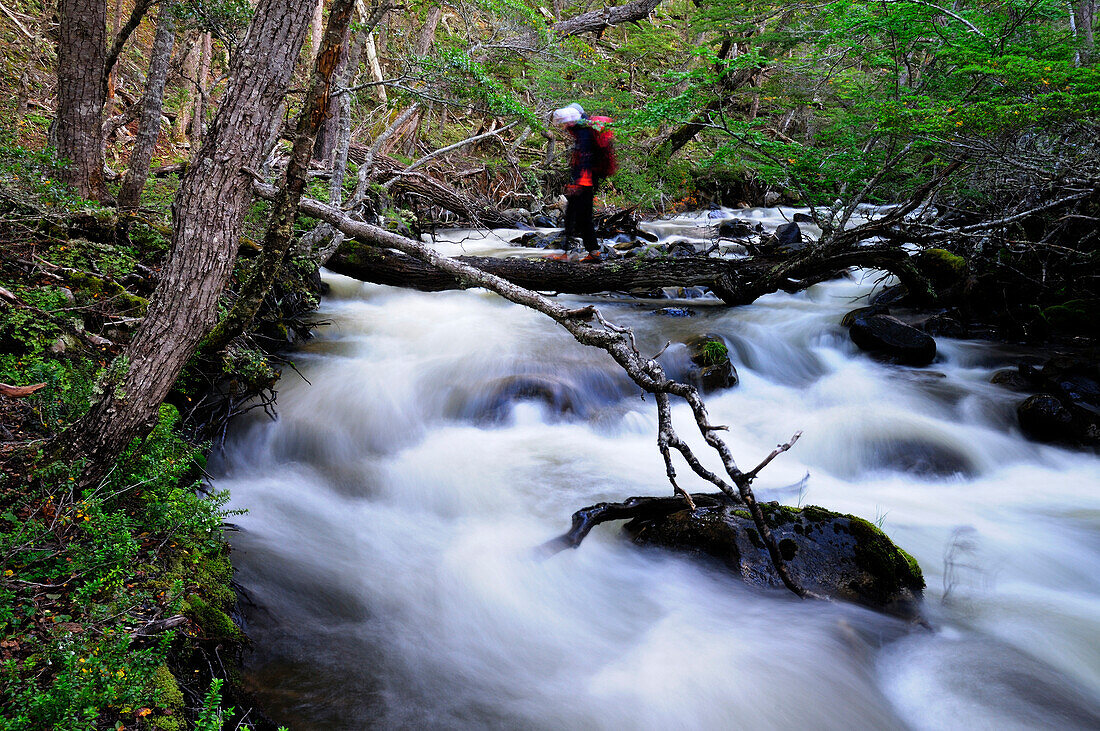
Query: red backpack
[[605, 163]]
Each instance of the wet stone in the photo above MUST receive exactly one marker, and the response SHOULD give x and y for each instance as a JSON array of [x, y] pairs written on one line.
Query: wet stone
[[892, 338], [828, 553], [674, 312]]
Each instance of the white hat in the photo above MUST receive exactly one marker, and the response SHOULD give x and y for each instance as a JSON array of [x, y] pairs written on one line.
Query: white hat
[[566, 115]]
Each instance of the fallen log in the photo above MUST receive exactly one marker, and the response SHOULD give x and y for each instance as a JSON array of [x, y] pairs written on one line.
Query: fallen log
[[735, 281]]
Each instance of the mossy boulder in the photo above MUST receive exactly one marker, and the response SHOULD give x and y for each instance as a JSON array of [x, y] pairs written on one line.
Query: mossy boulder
[[711, 367], [942, 268], [829, 553], [213, 623], [1075, 317]]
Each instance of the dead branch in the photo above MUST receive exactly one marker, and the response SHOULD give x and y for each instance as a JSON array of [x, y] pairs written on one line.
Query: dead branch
[[645, 508], [19, 391]]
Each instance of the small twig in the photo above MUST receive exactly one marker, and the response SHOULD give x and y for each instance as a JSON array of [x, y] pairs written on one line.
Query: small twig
[[780, 449], [12, 18]]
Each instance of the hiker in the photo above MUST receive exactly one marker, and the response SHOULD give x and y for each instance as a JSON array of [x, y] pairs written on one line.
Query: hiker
[[592, 160]]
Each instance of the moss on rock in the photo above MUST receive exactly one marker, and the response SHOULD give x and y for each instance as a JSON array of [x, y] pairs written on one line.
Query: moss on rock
[[829, 553]]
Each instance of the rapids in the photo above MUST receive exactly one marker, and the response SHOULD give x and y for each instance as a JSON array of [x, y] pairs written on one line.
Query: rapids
[[394, 504]]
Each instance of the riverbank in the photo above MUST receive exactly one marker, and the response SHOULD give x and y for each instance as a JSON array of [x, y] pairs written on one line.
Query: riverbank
[[117, 604]]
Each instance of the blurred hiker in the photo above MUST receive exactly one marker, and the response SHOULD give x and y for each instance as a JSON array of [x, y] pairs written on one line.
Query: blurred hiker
[[593, 159]]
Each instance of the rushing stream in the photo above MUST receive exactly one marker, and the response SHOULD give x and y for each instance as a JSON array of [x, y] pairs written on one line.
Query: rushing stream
[[394, 505]]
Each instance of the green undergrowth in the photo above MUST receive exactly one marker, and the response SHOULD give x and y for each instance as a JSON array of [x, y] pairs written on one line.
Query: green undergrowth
[[114, 603], [87, 579]]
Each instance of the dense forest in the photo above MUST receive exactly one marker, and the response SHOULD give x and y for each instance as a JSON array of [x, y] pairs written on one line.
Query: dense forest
[[175, 174]]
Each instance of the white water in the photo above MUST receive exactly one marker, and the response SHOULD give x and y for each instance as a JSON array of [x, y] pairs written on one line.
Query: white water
[[394, 505]]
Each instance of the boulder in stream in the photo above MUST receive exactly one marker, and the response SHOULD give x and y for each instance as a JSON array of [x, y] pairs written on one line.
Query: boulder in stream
[[894, 339], [735, 228], [831, 554], [711, 366]]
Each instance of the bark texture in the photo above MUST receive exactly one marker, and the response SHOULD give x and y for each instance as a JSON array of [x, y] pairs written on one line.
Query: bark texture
[[151, 105], [284, 214], [81, 93], [206, 226]]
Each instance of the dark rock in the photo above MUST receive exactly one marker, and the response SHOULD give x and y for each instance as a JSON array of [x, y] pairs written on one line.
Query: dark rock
[[681, 250], [1074, 377], [890, 296], [802, 218], [946, 325], [1046, 419], [828, 553], [675, 312], [526, 239], [712, 369], [628, 245], [926, 459], [891, 337], [942, 268], [1014, 379], [534, 241], [849, 318], [494, 404], [544, 222], [735, 229], [786, 239]]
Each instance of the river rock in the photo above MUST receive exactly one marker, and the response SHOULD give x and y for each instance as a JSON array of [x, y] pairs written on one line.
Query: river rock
[[828, 553], [711, 367], [786, 239], [735, 229], [891, 337], [802, 218], [1068, 410], [681, 250], [858, 312], [946, 324], [544, 222], [494, 404], [890, 296], [1045, 418], [1022, 378], [675, 312]]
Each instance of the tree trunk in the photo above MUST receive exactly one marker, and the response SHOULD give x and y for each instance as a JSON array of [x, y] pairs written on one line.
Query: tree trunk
[[151, 104], [197, 131], [427, 32], [81, 93], [316, 24], [375, 69], [284, 213], [735, 281], [328, 135], [190, 73], [208, 215]]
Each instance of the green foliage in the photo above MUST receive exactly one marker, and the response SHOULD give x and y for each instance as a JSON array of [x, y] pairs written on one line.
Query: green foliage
[[227, 19], [713, 352], [118, 557]]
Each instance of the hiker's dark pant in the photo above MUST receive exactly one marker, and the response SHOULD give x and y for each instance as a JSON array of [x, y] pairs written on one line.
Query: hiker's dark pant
[[578, 217]]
